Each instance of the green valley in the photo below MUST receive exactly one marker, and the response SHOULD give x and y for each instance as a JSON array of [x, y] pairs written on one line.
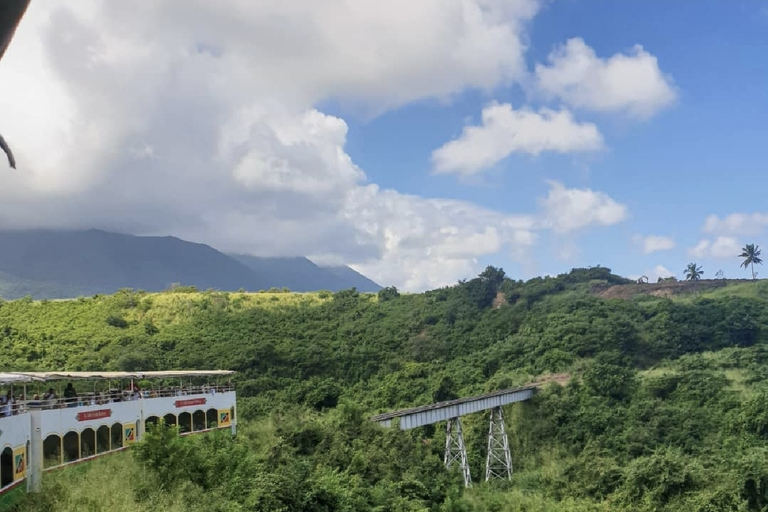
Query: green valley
[[665, 409]]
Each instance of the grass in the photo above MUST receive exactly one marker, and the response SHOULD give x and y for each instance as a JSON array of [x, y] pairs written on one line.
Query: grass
[[174, 308], [11, 498], [719, 362], [519, 501], [105, 484], [737, 381], [753, 290], [657, 372], [82, 316]]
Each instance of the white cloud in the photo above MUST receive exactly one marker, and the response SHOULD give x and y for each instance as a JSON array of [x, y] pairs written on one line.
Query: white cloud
[[504, 131], [567, 250], [436, 237], [200, 120], [630, 83], [653, 275], [660, 271], [721, 248], [654, 243], [700, 250], [566, 210], [737, 224]]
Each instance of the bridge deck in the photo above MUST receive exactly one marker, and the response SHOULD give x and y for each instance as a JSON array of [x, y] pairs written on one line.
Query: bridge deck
[[442, 411]]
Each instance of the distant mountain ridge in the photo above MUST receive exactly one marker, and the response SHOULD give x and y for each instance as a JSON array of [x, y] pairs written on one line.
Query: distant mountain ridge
[[52, 264], [300, 274]]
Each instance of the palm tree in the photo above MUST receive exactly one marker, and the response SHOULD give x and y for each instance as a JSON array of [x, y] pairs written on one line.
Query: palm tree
[[693, 272], [751, 255]]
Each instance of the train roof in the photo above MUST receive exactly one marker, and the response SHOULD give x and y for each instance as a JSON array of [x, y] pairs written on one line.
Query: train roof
[[12, 377]]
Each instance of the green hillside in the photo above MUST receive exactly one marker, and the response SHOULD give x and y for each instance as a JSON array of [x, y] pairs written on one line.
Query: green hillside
[[665, 409]]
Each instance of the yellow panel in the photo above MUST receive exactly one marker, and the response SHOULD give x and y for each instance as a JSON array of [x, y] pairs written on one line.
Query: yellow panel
[[129, 433], [19, 463], [224, 418]]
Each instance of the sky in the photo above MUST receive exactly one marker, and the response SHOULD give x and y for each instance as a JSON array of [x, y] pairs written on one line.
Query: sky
[[417, 142]]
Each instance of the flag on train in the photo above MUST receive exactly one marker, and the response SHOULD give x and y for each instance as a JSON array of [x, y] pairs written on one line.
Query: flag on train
[[19, 463], [224, 417], [130, 433]]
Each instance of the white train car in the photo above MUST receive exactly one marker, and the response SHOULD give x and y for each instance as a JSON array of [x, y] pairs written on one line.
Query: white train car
[[76, 425]]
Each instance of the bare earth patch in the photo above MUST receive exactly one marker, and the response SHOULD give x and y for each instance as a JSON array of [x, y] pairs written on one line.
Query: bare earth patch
[[559, 378], [664, 289]]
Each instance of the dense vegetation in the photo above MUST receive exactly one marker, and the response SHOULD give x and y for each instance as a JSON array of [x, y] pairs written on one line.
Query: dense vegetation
[[665, 409]]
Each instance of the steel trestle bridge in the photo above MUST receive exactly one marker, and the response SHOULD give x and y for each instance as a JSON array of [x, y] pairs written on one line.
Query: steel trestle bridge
[[498, 462]]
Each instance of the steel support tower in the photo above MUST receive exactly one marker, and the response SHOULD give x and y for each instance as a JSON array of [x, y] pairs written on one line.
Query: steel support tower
[[455, 450], [498, 462]]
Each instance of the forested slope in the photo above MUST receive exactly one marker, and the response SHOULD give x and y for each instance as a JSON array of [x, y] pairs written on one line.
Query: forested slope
[[665, 410]]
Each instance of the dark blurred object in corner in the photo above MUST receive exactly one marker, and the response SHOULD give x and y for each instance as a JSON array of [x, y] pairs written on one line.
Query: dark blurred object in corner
[[11, 12]]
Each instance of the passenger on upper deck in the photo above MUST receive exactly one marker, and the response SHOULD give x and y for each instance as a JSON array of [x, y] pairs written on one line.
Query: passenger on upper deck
[[50, 399], [71, 395], [6, 403]]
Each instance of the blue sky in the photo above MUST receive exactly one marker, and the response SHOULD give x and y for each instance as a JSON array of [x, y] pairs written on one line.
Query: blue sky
[[705, 154], [416, 141]]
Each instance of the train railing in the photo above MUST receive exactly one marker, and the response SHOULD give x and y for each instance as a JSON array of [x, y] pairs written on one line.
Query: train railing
[[19, 405]]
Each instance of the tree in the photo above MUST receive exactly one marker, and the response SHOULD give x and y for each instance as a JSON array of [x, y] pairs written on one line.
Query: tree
[[751, 255], [494, 276], [482, 290], [388, 293], [693, 272]]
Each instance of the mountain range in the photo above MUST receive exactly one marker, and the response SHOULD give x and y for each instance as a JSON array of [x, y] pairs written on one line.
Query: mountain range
[[57, 264]]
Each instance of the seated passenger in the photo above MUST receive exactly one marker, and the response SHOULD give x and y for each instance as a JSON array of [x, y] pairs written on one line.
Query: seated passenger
[[50, 398]]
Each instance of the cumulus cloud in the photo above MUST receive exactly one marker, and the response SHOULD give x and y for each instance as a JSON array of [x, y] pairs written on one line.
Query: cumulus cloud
[[565, 210], [436, 236], [200, 120], [631, 83], [721, 248], [504, 131], [660, 271], [654, 243], [737, 224], [653, 275]]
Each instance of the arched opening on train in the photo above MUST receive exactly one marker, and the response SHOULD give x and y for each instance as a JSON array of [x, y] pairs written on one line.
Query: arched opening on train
[[185, 422], [6, 467], [87, 443], [52, 451], [102, 439], [138, 430], [117, 436], [152, 420], [170, 419], [198, 420], [232, 414], [211, 418], [71, 446]]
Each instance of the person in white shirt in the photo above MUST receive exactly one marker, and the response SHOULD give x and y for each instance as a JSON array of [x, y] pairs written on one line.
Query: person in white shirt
[[7, 403]]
